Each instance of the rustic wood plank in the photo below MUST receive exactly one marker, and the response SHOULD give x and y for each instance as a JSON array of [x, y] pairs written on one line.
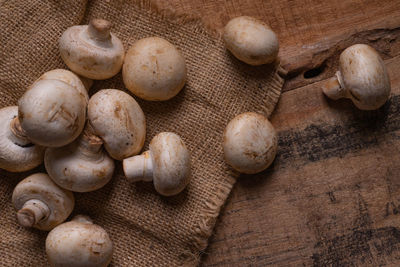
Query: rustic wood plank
[[312, 33], [332, 196]]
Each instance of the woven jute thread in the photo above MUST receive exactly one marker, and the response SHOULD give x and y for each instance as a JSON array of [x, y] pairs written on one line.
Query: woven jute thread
[[147, 229]]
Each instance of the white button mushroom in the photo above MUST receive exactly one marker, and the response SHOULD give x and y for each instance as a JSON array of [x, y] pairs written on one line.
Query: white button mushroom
[[52, 112], [154, 69], [92, 50], [249, 143], [362, 77], [17, 153], [81, 166], [41, 203], [251, 40], [79, 243], [167, 164], [119, 121]]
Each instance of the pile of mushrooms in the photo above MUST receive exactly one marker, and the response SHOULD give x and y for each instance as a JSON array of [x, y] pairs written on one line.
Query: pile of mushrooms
[[78, 137]]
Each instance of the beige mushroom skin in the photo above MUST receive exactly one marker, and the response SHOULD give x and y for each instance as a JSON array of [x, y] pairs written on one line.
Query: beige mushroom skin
[[52, 113], [362, 77], [17, 153], [249, 143], [166, 163], [154, 69], [40, 203], [81, 166], [79, 243], [251, 40], [119, 121], [92, 50]]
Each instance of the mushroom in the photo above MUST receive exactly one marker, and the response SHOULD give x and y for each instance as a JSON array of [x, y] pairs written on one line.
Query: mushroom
[[251, 40], [249, 143], [119, 121], [362, 77], [81, 166], [79, 243], [92, 50], [154, 69], [52, 112], [40, 203], [166, 163], [17, 153]]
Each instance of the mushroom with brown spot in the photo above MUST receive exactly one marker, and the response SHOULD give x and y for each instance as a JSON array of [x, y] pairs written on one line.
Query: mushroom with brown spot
[[52, 112], [249, 143], [154, 69], [81, 166], [119, 121], [362, 77], [251, 40], [79, 243], [166, 163], [40, 203], [92, 50]]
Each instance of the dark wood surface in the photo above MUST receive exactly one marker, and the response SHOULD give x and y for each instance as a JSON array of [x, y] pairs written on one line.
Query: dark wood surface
[[332, 196]]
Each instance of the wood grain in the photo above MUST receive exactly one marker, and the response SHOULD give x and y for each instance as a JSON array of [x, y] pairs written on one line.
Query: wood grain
[[311, 32], [332, 196]]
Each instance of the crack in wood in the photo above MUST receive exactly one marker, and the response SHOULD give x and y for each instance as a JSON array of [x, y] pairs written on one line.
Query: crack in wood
[[383, 40]]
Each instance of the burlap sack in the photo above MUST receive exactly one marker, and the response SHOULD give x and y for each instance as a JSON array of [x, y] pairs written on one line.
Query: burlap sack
[[147, 229]]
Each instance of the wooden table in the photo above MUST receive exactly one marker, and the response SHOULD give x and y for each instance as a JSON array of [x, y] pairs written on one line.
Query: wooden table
[[332, 196]]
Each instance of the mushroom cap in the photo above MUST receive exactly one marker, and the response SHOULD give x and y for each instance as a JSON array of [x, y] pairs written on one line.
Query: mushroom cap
[[154, 69], [251, 40], [117, 118], [16, 157], [68, 77], [363, 74], [74, 168], [89, 56], [250, 143], [39, 186], [79, 243], [171, 163], [52, 113]]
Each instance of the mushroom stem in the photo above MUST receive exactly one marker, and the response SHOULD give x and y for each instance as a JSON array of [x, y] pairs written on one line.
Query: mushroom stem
[[32, 212], [90, 144], [139, 168], [333, 89], [18, 135], [99, 29]]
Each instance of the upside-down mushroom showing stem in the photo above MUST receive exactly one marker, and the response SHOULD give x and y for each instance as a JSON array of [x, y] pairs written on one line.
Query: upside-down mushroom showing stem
[[92, 50], [40, 203], [81, 166]]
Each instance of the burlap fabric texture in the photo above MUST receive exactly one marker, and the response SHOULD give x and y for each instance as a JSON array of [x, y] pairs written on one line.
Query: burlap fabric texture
[[147, 229]]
